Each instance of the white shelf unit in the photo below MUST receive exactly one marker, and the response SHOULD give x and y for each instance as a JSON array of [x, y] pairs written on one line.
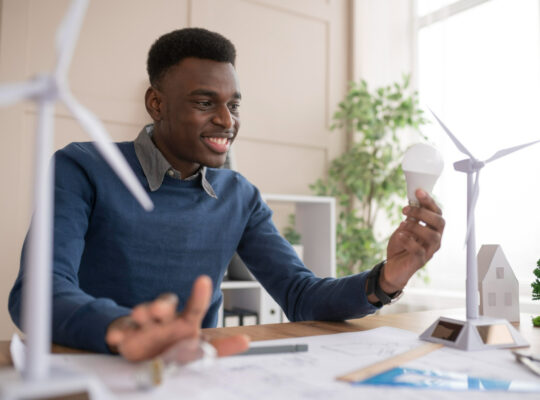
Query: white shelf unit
[[316, 223]]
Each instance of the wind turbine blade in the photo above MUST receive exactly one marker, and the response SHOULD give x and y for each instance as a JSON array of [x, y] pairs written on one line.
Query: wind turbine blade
[[14, 92], [458, 144], [510, 150], [108, 150], [67, 35]]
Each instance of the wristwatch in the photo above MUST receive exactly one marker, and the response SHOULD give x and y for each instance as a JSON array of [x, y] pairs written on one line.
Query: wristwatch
[[374, 288]]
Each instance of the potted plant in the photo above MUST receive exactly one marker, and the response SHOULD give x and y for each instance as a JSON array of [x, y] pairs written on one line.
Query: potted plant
[[367, 178], [293, 237], [536, 291]]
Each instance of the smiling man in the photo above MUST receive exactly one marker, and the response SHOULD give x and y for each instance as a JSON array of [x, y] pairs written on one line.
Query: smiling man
[[136, 282]]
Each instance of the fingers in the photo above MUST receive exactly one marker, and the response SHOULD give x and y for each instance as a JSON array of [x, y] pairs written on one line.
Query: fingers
[[142, 333], [423, 227], [156, 343], [429, 238], [433, 220], [231, 345], [154, 339], [153, 327], [412, 246], [163, 309], [118, 329], [199, 301], [415, 241], [427, 201], [429, 213]]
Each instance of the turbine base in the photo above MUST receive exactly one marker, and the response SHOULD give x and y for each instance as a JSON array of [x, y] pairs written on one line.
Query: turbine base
[[59, 383], [474, 334]]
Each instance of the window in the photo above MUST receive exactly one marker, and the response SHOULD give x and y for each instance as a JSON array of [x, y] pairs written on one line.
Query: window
[[478, 68], [508, 299], [425, 7], [492, 299], [500, 272]]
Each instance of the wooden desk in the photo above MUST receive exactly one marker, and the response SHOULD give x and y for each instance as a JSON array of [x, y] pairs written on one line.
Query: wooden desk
[[415, 322]]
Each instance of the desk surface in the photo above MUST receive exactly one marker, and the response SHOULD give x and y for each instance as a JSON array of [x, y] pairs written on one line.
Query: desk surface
[[415, 322]]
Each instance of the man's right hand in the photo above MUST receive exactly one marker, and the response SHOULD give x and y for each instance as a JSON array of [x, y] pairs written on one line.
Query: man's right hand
[[154, 327]]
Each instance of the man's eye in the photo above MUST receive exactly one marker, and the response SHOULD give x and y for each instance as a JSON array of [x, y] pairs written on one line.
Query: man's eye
[[234, 106], [204, 104]]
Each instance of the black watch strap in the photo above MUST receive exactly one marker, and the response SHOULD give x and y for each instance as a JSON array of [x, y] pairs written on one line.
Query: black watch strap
[[374, 288]]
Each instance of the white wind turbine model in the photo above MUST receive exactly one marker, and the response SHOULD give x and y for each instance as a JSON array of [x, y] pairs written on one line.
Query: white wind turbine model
[[45, 90], [477, 332]]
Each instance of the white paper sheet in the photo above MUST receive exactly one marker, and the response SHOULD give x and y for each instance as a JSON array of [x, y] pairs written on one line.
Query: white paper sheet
[[308, 375]]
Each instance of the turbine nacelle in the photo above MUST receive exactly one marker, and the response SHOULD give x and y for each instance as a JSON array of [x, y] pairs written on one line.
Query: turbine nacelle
[[469, 165]]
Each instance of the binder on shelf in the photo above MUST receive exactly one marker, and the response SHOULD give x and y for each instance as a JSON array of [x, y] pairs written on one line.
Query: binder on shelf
[[230, 318], [247, 317], [237, 316], [248, 320]]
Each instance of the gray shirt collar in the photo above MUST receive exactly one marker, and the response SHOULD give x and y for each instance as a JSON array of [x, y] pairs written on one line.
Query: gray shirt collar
[[155, 165]]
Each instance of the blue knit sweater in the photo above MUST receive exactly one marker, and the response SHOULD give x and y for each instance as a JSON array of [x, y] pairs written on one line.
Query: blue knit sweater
[[110, 255]]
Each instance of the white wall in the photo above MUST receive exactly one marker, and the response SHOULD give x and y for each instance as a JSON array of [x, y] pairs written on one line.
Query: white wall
[[382, 40]]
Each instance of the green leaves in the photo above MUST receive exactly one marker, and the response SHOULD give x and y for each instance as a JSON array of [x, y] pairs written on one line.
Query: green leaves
[[290, 233], [371, 115], [367, 178], [536, 284], [357, 246]]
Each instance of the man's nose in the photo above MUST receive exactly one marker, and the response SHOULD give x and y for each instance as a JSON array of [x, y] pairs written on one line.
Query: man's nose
[[224, 118]]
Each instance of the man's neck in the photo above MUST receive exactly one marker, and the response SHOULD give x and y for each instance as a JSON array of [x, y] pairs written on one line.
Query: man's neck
[[186, 168]]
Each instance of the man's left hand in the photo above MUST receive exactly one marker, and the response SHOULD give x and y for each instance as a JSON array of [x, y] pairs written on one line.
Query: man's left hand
[[413, 243]]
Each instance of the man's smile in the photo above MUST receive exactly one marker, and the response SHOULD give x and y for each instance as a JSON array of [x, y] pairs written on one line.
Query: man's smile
[[217, 144]]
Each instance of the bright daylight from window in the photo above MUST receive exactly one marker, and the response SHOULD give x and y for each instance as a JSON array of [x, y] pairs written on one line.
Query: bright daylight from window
[[479, 70]]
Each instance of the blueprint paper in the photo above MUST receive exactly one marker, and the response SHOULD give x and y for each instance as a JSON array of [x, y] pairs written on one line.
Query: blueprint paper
[[311, 374]]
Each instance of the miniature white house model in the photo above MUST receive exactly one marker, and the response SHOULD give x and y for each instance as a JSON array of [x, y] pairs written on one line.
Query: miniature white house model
[[497, 284]]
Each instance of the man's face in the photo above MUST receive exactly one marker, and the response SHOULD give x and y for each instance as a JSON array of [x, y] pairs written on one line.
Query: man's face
[[197, 120]]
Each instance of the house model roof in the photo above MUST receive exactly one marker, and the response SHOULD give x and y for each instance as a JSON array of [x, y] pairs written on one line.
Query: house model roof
[[491, 255]]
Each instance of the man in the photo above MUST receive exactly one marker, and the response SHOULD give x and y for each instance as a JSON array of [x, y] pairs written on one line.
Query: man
[[112, 259]]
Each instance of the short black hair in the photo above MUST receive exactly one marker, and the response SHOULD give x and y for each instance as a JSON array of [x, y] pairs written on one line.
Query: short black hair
[[171, 48]]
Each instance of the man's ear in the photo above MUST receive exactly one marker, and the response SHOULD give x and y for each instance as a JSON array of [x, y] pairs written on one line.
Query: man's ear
[[153, 101]]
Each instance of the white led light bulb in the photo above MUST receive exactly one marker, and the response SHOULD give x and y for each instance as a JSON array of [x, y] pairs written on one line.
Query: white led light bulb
[[422, 165]]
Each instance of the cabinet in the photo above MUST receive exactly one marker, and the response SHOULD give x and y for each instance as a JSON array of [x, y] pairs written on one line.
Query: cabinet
[[316, 223]]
